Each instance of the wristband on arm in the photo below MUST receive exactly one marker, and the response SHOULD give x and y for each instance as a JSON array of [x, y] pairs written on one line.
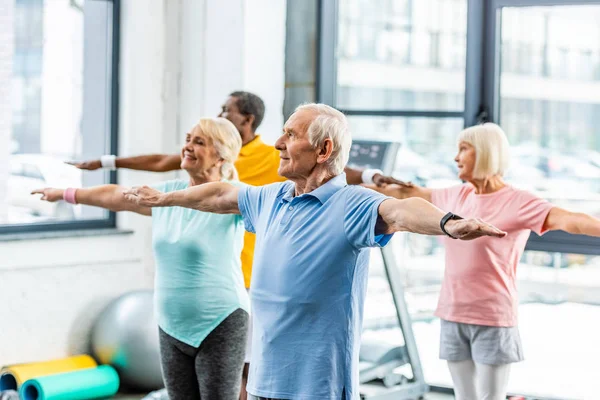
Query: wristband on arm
[[368, 174], [69, 195], [109, 162]]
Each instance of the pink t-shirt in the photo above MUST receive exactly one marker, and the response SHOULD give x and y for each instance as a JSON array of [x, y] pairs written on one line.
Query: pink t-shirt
[[480, 279]]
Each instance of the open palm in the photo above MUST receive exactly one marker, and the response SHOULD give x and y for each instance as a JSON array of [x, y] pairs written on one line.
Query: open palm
[[473, 228]]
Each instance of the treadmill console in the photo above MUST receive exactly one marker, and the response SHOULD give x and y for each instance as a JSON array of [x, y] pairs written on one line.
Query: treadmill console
[[373, 154]]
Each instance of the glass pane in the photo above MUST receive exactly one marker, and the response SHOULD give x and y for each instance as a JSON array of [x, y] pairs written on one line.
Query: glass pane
[[56, 107], [428, 145], [381, 329], [401, 55], [427, 148], [550, 101], [558, 292]]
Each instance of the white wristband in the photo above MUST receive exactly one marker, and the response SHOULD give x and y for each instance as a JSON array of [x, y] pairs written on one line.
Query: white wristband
[[368, 174], [109, 161]]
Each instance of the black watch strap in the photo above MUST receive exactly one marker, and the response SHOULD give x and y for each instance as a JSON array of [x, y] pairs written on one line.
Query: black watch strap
[[445, 219]]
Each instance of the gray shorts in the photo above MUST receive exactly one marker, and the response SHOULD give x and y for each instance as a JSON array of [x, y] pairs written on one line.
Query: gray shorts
[[482, 344]]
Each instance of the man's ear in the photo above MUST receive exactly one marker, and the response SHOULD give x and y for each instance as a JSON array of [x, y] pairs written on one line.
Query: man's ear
[[324, 151], [249, 119]]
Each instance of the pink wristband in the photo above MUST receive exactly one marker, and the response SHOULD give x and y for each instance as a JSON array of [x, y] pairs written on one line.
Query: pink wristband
[[69, 195]]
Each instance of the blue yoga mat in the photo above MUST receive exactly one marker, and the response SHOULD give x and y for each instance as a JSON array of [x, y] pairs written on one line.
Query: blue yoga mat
[[84, 384]]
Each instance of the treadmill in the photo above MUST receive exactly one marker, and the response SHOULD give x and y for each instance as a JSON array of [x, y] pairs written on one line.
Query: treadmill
[[383, 366]]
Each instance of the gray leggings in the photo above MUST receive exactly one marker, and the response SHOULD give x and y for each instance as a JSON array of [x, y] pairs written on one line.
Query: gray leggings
[[251, 397], [211, 371]]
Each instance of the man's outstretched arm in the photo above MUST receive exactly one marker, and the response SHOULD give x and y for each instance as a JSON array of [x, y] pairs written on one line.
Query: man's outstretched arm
[[371, 177], [216, 197], [419, 216], [149, 162]]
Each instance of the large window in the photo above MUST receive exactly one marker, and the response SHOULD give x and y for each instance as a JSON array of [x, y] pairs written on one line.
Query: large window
[[417, 72], [60, 104], [548, 101], [401, 55]]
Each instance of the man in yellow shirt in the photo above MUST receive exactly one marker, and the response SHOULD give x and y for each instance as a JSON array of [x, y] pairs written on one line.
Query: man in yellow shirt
[[257, 165]]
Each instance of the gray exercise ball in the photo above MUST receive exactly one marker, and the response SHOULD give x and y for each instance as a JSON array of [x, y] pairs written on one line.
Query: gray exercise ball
[[126, 337], [9, 395]]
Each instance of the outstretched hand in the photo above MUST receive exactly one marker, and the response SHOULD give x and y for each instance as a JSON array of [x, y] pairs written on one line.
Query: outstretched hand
[[473, 228], [382, 180], [87, 165], [50, 194], [144, 196]]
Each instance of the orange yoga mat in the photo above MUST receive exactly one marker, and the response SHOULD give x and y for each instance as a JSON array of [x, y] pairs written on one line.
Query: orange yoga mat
[[13, 376]]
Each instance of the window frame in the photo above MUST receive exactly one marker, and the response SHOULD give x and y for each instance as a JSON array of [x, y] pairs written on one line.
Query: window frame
[[110, 221], [482, 82], [556, 241]]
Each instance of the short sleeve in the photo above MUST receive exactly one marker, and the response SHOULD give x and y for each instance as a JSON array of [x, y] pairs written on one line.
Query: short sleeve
[[533, 211], [239, 185], [360, 218], [252, 200]]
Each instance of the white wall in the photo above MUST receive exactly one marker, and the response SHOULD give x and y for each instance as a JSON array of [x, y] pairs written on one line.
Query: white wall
[[244, 49], [264, 50], [6, 56], [179, 60]]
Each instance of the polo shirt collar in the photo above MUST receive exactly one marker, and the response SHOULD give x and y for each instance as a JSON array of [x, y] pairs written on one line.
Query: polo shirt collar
[[322, 193]]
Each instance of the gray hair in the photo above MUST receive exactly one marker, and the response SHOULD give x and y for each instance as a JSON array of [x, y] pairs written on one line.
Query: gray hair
[[329, 124], [492, 151]]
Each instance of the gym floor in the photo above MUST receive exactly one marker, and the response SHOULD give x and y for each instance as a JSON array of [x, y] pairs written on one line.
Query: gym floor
[[429, 396], [438, 396]]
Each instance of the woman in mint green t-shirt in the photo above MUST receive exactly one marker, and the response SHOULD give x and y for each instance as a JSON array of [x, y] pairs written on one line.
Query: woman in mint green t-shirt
[[201, 304]]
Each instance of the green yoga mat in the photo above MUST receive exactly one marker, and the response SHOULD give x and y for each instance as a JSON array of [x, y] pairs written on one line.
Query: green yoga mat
[[91, 383]]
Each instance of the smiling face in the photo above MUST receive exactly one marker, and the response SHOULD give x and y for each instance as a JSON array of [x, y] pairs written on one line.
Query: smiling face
[[465, 161], [298, 157], [198, 153]]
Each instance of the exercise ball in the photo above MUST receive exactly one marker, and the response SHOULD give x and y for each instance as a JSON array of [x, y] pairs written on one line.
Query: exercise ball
[[9, 395], [126, 337]]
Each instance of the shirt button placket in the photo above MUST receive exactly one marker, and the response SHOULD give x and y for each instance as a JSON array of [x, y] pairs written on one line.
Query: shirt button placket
[[288, 213]]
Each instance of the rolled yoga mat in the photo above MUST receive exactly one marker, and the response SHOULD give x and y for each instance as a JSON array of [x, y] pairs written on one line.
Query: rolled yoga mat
[[13, 376], [85, 384]]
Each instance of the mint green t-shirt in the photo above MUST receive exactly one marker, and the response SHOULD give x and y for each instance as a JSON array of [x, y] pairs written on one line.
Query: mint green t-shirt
[[199, 279]]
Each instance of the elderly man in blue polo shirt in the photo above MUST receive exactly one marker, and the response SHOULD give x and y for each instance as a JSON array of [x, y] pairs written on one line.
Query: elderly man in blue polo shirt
[[311, 259]]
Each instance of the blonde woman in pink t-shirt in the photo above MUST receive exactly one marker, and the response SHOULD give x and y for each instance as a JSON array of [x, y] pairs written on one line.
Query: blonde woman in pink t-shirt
[[478, 300]]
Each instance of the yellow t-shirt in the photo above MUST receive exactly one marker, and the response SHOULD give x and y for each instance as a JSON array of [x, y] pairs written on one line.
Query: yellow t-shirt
[[257, 165]]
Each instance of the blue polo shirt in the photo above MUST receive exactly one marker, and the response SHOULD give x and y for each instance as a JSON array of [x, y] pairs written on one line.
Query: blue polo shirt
[[308, 286]]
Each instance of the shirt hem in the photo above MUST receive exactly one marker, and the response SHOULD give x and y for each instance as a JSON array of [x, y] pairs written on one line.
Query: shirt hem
[[282, 395], [197, 342], [475, 321]]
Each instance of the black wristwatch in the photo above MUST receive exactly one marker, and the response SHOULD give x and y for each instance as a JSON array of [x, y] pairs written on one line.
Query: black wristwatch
[[447, 218]]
